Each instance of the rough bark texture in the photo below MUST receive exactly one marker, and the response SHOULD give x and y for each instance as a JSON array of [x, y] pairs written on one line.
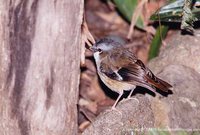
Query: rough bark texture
[[178, 64], [39, 66]]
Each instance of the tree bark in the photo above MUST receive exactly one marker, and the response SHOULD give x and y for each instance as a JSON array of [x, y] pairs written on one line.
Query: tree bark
[[39, 66]]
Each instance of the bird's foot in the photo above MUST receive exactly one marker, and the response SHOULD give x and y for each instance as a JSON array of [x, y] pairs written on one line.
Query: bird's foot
[[114, 109], [129, 97]]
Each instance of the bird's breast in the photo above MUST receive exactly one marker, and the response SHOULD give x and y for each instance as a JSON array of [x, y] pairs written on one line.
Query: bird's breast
[[115, 85]]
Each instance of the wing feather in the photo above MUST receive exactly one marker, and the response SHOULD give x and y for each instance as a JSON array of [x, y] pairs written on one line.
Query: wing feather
[[132, 70]]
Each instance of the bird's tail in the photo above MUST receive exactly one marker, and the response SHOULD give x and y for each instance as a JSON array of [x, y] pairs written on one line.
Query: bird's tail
[[160, 84], [157, 82]]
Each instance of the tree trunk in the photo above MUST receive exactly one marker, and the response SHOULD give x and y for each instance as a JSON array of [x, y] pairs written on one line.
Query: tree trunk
[[39, 66]]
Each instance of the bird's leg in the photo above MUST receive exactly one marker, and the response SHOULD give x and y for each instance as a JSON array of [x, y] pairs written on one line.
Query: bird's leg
[[118, 98], [129, 96]]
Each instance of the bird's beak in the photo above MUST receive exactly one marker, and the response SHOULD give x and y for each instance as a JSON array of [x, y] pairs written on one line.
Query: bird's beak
[[93, 49]]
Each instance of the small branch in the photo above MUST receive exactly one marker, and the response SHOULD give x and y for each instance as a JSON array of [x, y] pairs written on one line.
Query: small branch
[[87, 38], [135, 16]]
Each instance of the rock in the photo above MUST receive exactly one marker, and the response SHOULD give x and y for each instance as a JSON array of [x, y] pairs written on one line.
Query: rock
[[179, 64], [182, 108], [181, 50], [123, 119]]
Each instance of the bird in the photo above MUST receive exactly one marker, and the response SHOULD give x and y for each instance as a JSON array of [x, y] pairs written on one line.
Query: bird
[[120, 70]]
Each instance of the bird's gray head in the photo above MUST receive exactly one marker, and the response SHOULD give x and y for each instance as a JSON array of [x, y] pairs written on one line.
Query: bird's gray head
[[106, 45]]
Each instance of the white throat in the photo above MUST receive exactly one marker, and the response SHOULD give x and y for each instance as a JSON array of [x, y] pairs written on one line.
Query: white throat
[[97, 58]]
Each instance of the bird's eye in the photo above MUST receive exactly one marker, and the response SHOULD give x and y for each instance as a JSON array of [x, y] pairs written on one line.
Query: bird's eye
[[99, 50]]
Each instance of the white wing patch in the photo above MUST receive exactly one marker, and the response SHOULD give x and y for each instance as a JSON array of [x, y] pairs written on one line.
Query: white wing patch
[[118, 75]]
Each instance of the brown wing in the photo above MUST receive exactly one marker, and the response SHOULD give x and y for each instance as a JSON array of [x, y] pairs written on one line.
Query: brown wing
[[109, 72], [132, 70]]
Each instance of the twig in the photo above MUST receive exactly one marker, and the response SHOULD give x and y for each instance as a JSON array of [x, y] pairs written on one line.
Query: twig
[[87, 38], [135, 16]]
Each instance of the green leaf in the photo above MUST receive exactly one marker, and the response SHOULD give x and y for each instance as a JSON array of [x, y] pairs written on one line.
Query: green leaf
[[173, 11], [157, 40], [155, 131], [126, 8], [195, 133]]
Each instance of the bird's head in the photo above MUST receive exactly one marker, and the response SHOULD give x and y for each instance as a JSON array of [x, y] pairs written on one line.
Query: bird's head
[[106, 45]]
